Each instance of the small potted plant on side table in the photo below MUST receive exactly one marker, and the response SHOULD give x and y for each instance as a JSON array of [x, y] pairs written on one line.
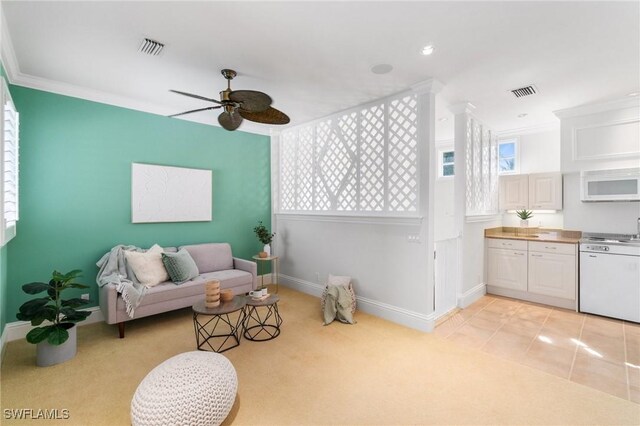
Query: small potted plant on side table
[[265, 237], [55, 342]]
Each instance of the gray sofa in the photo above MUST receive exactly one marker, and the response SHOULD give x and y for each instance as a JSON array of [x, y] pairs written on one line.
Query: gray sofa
[[214, 261]]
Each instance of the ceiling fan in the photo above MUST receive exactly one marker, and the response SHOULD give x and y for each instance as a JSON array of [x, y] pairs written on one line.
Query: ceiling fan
[[238, 105]]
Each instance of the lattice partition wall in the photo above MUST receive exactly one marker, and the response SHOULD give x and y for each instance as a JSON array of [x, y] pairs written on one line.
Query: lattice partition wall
[[482, 170], [361, 161]]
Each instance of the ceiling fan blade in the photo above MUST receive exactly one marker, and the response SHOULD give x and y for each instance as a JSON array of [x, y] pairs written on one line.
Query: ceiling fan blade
[[229, 121], [268, 116], [195, 110], [251, 100], [191, 95]]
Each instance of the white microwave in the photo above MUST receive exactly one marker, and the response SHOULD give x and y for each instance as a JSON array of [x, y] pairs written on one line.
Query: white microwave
[[610, 185]]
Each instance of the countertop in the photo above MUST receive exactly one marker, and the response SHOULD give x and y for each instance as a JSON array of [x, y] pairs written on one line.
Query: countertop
[[534, 234]]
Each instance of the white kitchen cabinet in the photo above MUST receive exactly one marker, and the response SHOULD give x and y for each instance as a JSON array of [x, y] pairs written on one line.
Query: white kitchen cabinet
[[536, 271], [514, 192], [545, 191], [507, 268], [537, 191]]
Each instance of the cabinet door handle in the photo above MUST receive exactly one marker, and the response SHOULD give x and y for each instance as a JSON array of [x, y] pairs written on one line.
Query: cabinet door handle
[[536, 255], [592, 255], [506, 244], [552, 248], [518, 254]]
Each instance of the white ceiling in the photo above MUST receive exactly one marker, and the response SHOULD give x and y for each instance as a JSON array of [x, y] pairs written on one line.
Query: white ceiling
[[314, 58]]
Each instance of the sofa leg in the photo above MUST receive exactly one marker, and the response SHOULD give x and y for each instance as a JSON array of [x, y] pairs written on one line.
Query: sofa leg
[[121, 329]]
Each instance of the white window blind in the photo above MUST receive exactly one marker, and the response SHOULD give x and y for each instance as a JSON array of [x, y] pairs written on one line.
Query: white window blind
[[361, 161], [482, 170], [10, 170]]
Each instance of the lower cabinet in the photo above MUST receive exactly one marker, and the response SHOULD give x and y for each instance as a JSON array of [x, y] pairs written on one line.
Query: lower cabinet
[[532, 270], [508, 268]]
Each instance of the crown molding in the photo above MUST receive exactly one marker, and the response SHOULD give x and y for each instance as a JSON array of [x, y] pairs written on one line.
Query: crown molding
[[7, 54], [546, 127], [428, 86], [594, 108]]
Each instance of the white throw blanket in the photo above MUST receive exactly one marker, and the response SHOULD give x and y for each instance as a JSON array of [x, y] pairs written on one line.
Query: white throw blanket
[[113, 269]]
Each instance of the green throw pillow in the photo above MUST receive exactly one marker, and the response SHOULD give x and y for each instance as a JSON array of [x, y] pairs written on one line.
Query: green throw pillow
[[180, 266]]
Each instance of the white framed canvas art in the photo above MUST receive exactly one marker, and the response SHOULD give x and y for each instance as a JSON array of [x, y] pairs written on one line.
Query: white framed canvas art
[[170, 194]]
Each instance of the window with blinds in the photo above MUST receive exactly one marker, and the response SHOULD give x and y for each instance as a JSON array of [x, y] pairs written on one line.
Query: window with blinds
[[9, 173]]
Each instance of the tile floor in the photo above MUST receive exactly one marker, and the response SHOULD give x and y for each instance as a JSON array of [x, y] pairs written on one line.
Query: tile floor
[[594, 351]]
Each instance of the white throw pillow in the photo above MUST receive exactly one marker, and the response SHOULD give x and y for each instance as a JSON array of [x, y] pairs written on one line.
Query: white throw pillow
[[339, 280], [148, 266]]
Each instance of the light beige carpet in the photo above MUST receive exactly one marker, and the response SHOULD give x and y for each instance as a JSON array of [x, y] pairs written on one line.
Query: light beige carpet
[[374, 372]]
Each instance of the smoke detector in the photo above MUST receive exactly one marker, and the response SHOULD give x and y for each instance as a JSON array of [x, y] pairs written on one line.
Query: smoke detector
[[524, 91], [151, 47]]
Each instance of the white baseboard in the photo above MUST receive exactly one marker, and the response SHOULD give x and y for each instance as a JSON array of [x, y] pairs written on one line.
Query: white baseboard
[[470, 296], [392, 313], [3, 341], [18, 329]]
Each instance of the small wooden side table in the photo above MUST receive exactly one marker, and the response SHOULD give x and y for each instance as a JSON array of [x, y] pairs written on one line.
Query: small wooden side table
[[219, 316], [275, 270]]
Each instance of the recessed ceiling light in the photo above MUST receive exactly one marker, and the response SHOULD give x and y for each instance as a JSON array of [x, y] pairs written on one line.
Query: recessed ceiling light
[[427, 50], [442, 119], [381, 69], [633, 94], [522, 115]]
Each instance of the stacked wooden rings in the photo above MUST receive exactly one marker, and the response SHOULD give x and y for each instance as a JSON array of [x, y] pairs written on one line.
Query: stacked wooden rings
[[212, 294]]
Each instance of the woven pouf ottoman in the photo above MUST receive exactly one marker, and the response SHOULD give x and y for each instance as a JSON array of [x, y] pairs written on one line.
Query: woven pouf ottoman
[[193, 388]]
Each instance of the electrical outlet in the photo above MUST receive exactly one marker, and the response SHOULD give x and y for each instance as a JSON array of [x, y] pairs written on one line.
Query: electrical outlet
[[413, 238], [85, 296]]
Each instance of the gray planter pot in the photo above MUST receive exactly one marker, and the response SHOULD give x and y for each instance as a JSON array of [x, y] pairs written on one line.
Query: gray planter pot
[[48, 354]]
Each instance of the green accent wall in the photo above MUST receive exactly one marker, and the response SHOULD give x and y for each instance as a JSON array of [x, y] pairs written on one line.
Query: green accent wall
[[3, 262], [75, 185]]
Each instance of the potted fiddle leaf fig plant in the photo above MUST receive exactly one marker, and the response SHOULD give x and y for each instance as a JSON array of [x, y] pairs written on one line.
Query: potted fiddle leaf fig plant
[[265, 237], [56, 341], [524, 216]]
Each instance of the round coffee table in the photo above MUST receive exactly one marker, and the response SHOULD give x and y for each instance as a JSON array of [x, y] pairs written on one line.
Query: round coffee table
[[261, 326], [218, 318]]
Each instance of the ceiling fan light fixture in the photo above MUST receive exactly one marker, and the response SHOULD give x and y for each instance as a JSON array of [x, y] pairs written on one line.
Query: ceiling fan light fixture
[[239, 105]]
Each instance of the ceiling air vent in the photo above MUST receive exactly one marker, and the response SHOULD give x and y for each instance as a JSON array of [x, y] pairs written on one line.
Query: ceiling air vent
[[524, 91], [151, 47]]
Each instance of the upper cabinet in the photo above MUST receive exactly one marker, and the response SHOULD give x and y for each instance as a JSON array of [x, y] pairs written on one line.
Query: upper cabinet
[[514, 192], [545, 191], [538, 191]]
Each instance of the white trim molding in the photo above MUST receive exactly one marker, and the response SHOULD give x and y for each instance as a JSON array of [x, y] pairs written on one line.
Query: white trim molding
[[370, 220], [542, 128], [391, 313], [626, 102], [470, 296], [18, 329]]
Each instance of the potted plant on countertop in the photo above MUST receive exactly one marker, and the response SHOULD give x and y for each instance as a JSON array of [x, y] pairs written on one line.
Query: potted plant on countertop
[[265, 237], [524, 216], [55, 342]]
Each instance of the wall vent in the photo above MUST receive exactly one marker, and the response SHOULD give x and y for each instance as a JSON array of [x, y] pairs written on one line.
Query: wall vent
[[524, 91], [151, 47]]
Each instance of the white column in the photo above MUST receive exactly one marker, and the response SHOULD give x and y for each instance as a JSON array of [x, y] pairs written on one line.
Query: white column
[[275, 186], [427, 165]]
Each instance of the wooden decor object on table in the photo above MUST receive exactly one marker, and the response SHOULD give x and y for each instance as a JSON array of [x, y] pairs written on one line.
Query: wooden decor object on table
[[226, 295], [212, 294]]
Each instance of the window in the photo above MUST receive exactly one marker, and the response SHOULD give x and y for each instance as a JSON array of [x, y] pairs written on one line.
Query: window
[[8, 166], [508, 156], [446, 163]]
